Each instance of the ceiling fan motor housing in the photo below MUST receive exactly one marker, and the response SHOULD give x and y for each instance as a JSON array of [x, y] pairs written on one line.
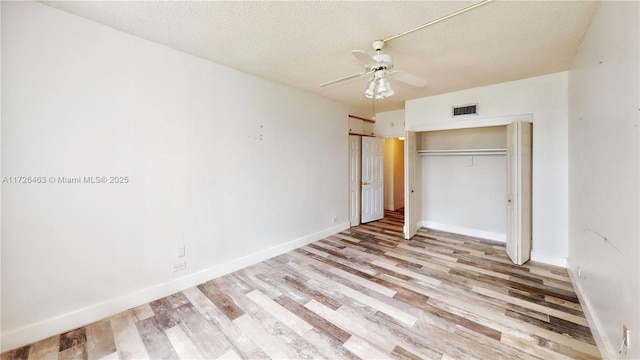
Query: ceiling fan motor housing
[[384, 60], [377, 45]]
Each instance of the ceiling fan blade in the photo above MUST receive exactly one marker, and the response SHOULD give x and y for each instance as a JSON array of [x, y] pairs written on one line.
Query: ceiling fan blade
[[462, 11], [354, 76], [408, 78], [364, 57]]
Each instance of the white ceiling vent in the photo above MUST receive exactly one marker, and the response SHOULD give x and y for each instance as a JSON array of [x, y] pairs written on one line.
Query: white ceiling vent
[[464, 110]]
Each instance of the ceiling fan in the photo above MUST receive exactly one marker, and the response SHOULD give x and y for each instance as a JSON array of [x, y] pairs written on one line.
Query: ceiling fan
[[380, 66]]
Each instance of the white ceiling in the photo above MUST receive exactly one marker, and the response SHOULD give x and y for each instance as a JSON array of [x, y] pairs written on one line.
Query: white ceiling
[[306, 43]]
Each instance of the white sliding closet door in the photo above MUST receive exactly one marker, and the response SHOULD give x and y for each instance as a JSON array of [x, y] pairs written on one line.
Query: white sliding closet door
[[519, 192]]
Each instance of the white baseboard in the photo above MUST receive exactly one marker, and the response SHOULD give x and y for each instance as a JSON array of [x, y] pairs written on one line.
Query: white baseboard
[[81, 317], [548, 259], [594, 323], [464, 231]]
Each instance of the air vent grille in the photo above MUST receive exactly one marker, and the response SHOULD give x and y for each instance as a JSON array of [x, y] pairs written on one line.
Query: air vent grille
[[463, 110]]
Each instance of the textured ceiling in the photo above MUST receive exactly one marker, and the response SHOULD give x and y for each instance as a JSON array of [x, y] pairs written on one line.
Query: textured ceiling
[[304, 44]]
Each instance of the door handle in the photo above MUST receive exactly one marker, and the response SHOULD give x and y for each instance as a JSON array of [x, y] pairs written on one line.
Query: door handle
[[364, 183]]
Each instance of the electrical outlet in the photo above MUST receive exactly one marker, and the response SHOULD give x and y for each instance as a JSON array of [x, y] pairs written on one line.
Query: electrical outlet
[[334, 220], [180, 251], [625, 336], [179, 266]]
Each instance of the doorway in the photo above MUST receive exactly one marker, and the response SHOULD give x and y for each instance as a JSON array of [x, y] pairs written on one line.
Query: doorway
[[393, 174]]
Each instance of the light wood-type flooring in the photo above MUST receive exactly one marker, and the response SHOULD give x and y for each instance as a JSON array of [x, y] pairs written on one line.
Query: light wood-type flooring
[[363, 293]]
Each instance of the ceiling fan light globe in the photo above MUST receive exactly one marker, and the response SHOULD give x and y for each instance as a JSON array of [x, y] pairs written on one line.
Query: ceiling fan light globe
[[368, 94], [389, 89], [384, 89], [371, 89]]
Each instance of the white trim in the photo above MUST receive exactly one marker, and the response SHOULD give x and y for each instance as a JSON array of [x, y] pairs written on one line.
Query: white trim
[[548, 259], [595, 325], [469, 123], [464, 231], [65, 322]]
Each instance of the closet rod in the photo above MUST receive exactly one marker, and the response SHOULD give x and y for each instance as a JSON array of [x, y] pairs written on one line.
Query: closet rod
[[462, 152]]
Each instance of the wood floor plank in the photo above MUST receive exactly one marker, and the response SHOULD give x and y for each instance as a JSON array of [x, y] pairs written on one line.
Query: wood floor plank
[[100, 341], [318, 323], [46, 349], [74, 352], [164, 313], [391, 266], [364, 349], [207, 337], [112, 356], [182, 344], [127, 338], [240, 341], [221, 300], [229, 355], [350, 277], [199, 300], [142, 312], [292, 321], [359, 296], [354, 325], [329, 347], [563, 315], [273, 347], [155, 340]]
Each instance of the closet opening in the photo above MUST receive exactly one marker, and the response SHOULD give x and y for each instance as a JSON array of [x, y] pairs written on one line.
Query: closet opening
[[473, 180]]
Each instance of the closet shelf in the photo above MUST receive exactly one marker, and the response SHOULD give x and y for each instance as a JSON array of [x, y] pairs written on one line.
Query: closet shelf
[[462, 152]]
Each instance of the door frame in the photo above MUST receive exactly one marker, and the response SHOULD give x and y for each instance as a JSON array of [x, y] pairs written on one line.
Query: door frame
[[413, 203]]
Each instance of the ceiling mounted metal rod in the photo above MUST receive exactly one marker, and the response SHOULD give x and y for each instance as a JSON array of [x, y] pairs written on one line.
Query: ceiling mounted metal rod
[[438, 20]]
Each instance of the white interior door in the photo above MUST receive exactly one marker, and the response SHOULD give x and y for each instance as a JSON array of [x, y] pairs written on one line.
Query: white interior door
[[372, 179], [519, 192], [354, 179], [410, 193]]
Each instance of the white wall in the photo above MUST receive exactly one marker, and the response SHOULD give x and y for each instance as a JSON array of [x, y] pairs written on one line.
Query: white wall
[[390, 124], [398, 174], [545, 97], [393, 174], [604, 156], [465, 194], [234, 167], [465, 199]]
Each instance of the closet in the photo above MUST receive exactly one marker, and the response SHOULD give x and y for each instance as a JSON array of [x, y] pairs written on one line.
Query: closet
[[472, 180]]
